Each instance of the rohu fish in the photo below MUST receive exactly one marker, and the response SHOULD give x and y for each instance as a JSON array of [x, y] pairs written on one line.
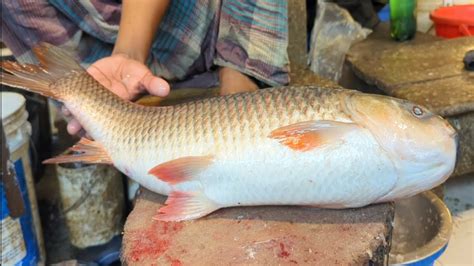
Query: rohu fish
[[318, 146]]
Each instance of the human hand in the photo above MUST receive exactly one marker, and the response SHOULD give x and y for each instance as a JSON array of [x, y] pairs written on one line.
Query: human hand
[[123, 76]]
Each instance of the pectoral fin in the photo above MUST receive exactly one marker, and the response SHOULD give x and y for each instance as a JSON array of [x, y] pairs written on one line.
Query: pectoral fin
[[309, 135], [185, 206], [182, 169], [85, 151]]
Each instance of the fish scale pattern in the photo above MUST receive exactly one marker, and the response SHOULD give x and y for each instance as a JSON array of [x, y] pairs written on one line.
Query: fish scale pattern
[[208, 126]]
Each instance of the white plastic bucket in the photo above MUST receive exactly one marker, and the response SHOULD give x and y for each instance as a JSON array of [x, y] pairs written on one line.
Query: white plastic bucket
[[18, 130], [92, 202], [424, 8]]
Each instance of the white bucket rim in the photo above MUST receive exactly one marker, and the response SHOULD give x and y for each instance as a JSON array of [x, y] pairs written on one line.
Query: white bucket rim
[[12, 102], [5, 52]]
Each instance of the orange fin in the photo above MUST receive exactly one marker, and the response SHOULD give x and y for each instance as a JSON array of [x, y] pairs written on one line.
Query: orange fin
[[182, 169], [85, 151], [55, 63], [185, 206], [306, 136]]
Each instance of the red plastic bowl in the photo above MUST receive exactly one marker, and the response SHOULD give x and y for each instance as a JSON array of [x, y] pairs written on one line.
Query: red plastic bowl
[[454, 21]]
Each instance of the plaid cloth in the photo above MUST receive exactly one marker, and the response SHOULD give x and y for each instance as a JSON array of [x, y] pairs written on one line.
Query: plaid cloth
[[193, 37]]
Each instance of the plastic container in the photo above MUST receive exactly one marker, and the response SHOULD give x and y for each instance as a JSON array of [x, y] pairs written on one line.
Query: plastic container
[[23, 236], [454, 21]]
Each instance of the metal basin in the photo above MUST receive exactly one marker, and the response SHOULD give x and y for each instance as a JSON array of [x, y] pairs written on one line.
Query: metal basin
[[421, 230]]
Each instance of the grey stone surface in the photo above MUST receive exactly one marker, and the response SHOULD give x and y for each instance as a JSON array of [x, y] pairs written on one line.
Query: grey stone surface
[[297, 32], [446, 97], [407, 64], [464, 124], [428, 69]]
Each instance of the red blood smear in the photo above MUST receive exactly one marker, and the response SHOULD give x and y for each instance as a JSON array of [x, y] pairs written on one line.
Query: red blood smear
[[283, 253], [152, 242], [177, 226], [174, 262], [165, 227]]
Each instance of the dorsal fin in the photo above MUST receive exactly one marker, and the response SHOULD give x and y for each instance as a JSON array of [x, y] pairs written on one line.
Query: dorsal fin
[[55, 63]]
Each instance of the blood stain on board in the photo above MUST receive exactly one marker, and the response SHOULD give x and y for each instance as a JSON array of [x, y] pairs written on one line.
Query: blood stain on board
[[283, 252], [165, 227], [174, 262], [177, 226], [152, 242]]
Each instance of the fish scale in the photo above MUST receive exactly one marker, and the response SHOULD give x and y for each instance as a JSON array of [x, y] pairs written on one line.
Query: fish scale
[[314, 145]]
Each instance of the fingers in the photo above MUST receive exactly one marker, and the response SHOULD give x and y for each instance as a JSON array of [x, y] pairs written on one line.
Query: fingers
[[73, 127], [155, 85], [127, 77]]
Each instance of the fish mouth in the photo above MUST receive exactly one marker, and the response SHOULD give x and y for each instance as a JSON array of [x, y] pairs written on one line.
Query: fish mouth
[[454, 135], [452, 132]]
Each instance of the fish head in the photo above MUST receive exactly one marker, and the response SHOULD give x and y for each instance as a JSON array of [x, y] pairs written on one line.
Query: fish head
[[421, 144]]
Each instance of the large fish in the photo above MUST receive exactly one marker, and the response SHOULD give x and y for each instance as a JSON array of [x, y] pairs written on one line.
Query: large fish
[[325, 147]]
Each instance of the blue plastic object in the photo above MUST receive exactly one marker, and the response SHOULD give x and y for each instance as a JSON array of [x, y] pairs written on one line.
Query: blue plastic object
[[429, 261], [110, 258], [384, 13], [29, 255]]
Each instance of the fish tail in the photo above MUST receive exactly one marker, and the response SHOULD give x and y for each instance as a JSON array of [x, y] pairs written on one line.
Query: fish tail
[[55, 63]]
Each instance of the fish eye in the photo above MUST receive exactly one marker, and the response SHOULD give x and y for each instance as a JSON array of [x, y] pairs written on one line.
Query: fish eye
[[417, 111]]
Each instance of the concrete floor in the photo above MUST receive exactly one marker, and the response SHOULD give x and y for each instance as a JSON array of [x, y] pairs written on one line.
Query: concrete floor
[[459, 197]]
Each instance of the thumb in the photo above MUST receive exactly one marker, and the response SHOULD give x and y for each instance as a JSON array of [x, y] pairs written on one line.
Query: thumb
[[155, 85]]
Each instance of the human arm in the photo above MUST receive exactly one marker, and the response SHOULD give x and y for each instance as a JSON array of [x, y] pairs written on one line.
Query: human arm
[[125, 72]]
